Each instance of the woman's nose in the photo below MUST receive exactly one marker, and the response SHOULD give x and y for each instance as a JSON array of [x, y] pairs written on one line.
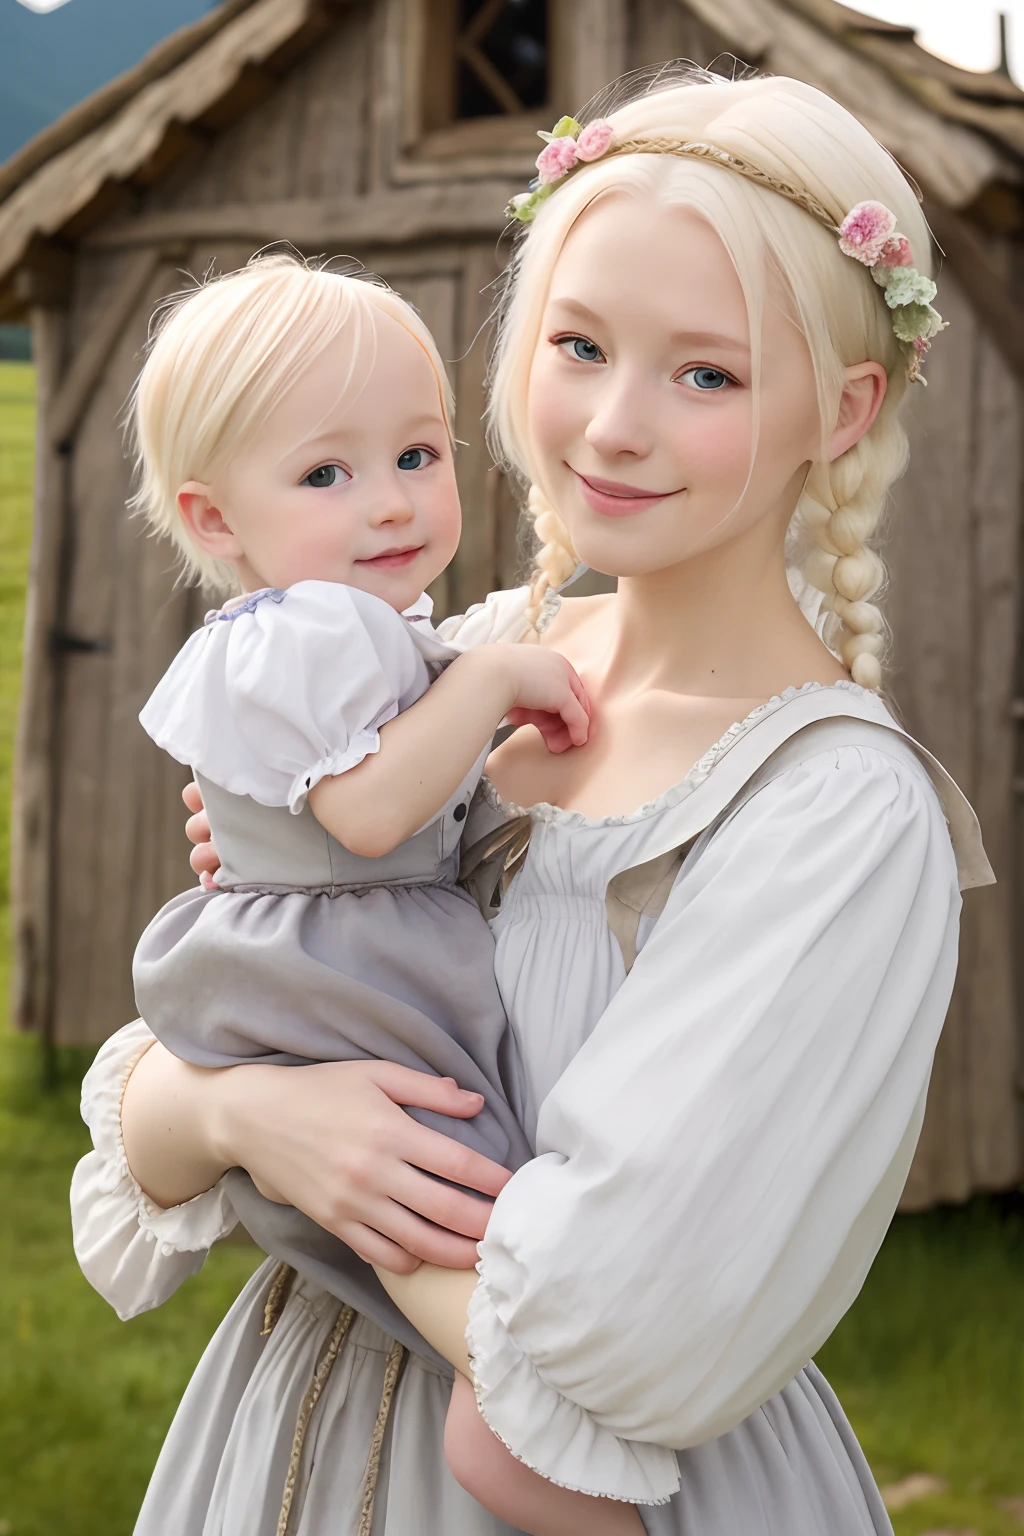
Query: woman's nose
[[623, 421]]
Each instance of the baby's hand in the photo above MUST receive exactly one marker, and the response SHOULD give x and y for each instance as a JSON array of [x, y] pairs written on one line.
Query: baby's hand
[[549, 695]]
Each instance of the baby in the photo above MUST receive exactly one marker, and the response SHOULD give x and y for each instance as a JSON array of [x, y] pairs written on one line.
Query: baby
[[294, 437]]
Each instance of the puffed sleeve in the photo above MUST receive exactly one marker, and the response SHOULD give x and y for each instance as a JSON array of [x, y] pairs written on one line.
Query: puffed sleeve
[[286, 689], [131, 1250], [718, 1165], [500, 617]]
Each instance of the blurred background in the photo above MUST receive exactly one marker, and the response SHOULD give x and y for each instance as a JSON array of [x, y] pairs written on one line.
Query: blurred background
[[144, 139]]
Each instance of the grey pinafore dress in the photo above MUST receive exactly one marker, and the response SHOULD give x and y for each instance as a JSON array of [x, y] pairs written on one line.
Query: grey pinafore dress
[[306, 952]]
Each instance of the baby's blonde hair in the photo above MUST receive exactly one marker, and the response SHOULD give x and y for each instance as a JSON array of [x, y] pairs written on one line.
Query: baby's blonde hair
[[801, 136], [222, 355]]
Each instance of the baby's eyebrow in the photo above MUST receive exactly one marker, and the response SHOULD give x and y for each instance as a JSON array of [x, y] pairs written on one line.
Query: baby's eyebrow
[[346, 434]]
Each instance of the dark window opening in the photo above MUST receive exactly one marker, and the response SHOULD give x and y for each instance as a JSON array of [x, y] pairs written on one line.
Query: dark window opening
[[501, 49]]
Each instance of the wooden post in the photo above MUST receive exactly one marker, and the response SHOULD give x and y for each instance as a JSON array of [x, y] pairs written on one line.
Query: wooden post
[[474, 570], [32, 819]]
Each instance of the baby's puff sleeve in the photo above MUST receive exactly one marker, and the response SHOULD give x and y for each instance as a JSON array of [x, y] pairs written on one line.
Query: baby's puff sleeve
[[718, 1165], [287, 688]]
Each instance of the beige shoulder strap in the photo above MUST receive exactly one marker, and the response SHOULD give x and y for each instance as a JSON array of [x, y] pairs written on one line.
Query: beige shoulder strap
[[642, 891]]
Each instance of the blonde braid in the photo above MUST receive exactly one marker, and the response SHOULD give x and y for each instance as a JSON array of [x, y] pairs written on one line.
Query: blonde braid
[[841, 509], [554, 561]]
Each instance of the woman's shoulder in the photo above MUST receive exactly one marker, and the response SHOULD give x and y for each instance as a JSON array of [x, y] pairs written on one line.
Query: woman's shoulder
[[812, 759], [839, 752]]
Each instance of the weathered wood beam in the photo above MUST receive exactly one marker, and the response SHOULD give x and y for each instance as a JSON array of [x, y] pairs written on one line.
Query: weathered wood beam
[[91, 358], [32, 805], [456, 210], [985, 285], [43, 278]]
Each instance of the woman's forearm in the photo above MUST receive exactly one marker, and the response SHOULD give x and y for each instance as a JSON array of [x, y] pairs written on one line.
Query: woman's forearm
[[436, 1301], [170, 1121]]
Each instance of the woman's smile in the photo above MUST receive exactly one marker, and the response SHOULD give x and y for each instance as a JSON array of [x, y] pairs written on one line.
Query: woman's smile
[[613, 498]]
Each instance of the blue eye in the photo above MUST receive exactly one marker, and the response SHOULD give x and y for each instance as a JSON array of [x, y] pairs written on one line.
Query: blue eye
[[706, 379], [325, 476], [415, 458], [586, 351]]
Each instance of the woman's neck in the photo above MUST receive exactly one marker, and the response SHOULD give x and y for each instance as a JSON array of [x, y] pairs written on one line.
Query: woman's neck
[[723, 623]]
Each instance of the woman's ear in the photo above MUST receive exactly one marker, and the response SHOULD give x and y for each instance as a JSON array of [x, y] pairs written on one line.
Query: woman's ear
[[205, 523], [860, 403]]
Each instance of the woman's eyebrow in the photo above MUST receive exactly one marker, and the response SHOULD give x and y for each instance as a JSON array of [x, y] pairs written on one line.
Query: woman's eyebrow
[[710, 339], [575, 307], [681, 337]]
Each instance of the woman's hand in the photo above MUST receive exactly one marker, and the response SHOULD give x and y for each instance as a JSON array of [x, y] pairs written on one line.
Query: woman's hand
[[334, 1141], [331, 1140], [203, 857]]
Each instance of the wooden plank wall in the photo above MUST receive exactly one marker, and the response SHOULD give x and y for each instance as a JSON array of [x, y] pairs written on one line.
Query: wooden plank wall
[[953, 604]]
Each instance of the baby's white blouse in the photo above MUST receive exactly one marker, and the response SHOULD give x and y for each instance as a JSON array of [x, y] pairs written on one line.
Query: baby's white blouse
[[281, 689], [722, 1134]]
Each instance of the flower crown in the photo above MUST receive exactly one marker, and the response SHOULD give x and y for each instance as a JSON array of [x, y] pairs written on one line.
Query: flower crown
[[867, 233]]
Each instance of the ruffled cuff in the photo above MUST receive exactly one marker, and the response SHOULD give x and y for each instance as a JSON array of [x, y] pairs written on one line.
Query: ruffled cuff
[[363, 744], [190, 1228], [548, 1432]]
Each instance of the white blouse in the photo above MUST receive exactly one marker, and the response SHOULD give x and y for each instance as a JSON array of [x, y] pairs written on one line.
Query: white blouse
[[722, 1135], [281, 689]]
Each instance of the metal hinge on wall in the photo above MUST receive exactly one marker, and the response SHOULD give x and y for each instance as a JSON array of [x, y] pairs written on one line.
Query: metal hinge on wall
[[63, 641]]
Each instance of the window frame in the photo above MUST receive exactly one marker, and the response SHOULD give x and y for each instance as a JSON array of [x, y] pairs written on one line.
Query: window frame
[[503, 140]]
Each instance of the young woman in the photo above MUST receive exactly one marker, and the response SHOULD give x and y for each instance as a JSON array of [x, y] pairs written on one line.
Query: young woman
[[725, 953]]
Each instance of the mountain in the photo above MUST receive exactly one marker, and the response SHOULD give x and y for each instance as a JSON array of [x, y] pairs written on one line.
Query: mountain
[[50, 61]]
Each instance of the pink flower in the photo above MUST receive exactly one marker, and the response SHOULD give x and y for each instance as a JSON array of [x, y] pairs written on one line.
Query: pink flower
[[555, 159], [896, 252], [866, 231], [921, 344], [594, 140]]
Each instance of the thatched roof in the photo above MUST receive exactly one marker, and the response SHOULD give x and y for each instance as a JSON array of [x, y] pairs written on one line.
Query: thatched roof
[[192, 85], [959, 133]]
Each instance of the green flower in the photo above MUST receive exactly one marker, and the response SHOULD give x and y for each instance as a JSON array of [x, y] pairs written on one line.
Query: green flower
[[525, 204], [905, 285], [565, 128], [914, 322]]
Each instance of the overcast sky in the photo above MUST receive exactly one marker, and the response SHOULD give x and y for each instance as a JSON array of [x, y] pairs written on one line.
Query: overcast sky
[[966, 31]]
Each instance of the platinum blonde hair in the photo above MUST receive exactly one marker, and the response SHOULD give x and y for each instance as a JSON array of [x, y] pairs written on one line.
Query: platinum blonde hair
[[801, 136], [224, 353]]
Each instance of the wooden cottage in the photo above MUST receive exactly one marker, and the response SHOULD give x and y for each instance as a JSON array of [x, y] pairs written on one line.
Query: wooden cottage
[[394, 131]]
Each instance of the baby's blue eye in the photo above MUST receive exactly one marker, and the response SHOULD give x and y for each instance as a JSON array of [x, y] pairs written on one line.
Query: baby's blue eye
[[706, 378], [326, 475], [414, 458]]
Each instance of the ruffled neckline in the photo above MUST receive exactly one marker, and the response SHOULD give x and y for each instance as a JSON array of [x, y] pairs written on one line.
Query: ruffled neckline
[[544, 811]]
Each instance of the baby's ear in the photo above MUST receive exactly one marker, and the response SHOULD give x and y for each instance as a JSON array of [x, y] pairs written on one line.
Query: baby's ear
[[206, 523]]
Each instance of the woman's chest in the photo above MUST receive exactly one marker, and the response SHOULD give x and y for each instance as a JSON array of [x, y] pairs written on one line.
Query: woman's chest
[[557, 962], [636, 750]]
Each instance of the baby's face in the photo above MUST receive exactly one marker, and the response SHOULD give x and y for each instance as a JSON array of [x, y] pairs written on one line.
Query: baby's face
[[353, 485]]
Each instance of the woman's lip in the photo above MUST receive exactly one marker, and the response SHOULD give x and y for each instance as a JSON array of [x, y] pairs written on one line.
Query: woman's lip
[[614, 499], [390, 559]]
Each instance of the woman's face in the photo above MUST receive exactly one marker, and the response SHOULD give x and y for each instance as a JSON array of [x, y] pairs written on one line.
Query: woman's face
[[641, 410]]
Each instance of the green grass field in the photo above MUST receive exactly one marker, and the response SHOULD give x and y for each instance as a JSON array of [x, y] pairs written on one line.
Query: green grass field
[[929, 1363]]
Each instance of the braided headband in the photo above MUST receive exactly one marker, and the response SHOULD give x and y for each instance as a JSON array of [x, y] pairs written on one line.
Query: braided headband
[[867, 233]]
